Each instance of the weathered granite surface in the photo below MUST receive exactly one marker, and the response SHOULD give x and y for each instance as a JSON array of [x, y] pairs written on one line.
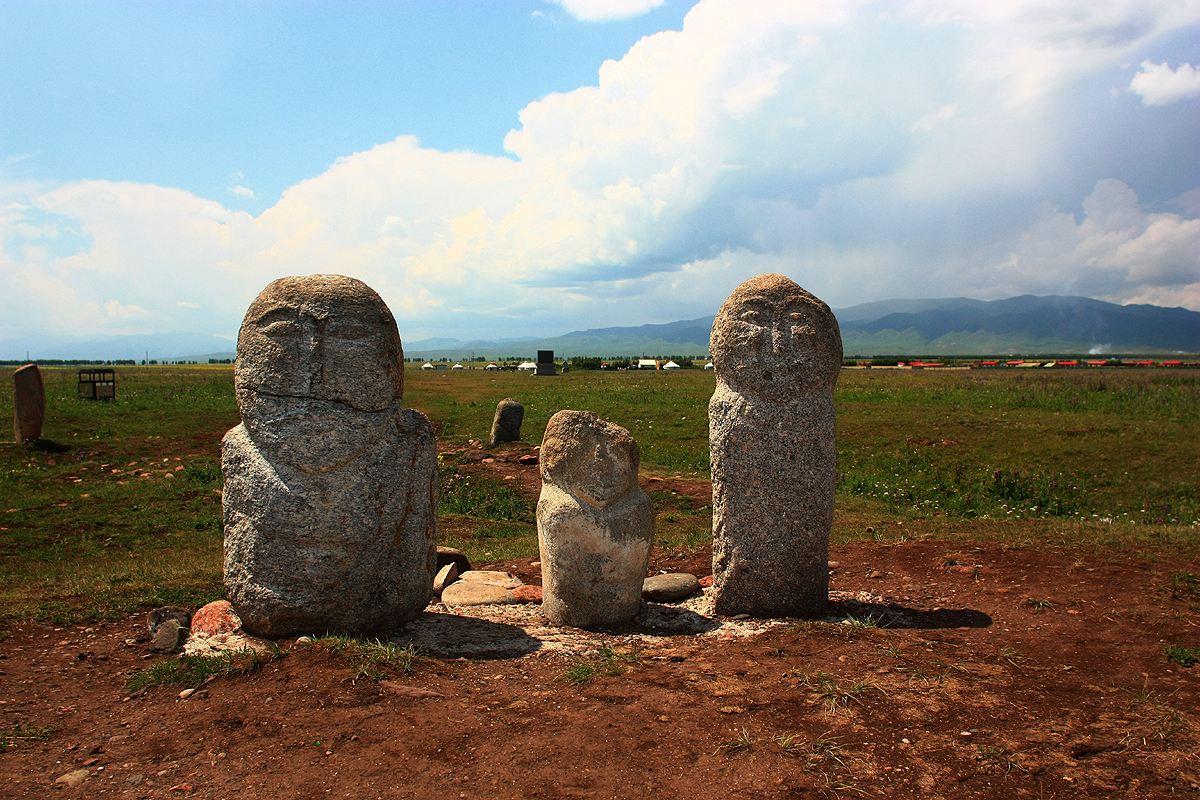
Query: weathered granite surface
[[506, 424], [29, 404], [595, 524], [330, 484], [777, 351]]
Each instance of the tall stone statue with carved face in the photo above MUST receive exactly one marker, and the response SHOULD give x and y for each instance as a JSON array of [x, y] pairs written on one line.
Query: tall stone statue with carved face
[[776, 350], [330, 484]]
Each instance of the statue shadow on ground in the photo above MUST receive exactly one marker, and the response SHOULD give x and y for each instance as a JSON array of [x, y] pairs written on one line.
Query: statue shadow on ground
[[454, 636], [665, 620], [47, 446], [892, 615]]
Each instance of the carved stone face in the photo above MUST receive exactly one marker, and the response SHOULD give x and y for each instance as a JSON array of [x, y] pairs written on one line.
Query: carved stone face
[[323, 337], [319, 365], [773, 339], [593, 459]]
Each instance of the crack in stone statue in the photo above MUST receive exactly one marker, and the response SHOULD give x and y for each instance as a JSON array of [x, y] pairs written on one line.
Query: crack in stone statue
[[777, 351], [330, 484], [595, 524]]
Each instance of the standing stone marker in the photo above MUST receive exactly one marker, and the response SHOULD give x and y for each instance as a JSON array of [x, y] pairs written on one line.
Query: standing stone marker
[[330, 484], [595, 524], [777, 351], [506, 425], [29, 404]]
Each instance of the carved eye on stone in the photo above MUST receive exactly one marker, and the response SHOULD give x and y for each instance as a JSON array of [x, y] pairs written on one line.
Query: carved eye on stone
[[754, 316], [282, 328]]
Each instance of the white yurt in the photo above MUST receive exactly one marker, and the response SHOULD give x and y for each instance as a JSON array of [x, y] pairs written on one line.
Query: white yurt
[[427, 365], [491, 366], [709, 365], [458, 366], [527, 366], [670, 365]]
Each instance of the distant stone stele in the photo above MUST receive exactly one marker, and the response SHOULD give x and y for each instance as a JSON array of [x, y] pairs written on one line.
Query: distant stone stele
[[330, 484], [506, 424], [777, 351], [595, 524], [545, 363], [29, 404]]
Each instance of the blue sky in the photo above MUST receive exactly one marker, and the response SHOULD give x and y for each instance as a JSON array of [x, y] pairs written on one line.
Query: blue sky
[[521, 168]]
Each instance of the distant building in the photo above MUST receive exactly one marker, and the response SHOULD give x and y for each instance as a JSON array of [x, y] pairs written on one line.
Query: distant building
[[427, 365]]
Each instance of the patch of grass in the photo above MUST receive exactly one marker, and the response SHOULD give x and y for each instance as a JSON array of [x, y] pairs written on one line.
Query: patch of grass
[[1038, 605], [835, 787], [1011, 657], [480, 496], [742, 743], [206, 474], [1185, 586], [1156, 722], [998, 757], [24, 732], [1182, 655], [190, 672], [374, 659], [607, 662], [835, 694], [864, 623], [824, 748]]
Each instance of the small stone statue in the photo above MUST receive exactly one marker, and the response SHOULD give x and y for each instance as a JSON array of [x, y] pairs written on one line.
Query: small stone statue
[[595, 524], [777, 351], [506, 424], [330, 484], [29, 404]]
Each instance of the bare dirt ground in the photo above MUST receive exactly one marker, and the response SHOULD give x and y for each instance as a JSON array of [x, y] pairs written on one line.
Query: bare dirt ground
[[990, 672]]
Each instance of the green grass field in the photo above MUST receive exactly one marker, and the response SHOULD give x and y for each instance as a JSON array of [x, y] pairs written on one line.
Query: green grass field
[[129, 515]]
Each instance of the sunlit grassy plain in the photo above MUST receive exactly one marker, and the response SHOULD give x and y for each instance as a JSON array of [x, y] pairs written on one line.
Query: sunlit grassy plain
[[129, 516]]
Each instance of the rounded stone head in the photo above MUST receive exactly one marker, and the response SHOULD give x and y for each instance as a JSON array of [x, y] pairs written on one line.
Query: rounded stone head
[[321, 337], [589, 457], [773, 339]]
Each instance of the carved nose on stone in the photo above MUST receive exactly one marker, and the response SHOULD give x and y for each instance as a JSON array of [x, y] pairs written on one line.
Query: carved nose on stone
[[778, 341], [316, 366]]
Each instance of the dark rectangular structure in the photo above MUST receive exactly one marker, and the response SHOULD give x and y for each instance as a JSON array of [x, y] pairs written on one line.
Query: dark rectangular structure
[[97, 384], [545, 363]]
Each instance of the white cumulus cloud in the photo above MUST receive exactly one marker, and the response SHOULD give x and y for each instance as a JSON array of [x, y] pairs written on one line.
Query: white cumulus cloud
[[607, 10], [1159, 85]]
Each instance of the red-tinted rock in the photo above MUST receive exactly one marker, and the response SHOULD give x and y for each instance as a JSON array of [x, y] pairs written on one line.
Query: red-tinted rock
[[216, 617], [527, 594], [528, 459], [706, 581]]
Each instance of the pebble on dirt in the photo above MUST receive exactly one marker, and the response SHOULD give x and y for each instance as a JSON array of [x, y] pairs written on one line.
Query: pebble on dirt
[[669, 588]]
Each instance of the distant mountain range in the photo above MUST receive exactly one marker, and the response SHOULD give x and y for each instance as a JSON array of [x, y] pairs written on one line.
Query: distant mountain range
[[1025, 325], [950, 326]]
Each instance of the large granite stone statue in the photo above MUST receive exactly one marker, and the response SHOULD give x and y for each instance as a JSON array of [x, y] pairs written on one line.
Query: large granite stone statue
[[777, 351], [29, 404], [595, 524], [506, 424], [330, 484]]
